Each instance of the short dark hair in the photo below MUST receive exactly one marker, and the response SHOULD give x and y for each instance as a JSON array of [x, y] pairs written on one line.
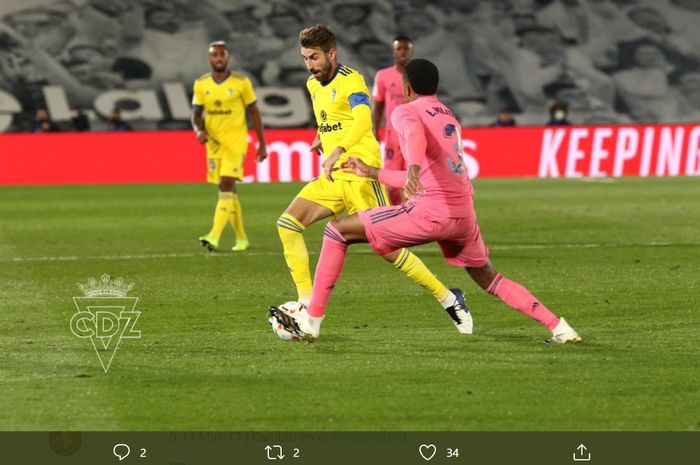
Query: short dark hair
[[402, 38], [422, 75], [319, 36]]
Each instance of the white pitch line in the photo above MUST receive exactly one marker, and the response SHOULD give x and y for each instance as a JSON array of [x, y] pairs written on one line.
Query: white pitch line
[[600, 180], [73, 258]]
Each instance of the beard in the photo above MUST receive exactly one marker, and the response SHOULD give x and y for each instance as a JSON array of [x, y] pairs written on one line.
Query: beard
[[219, 68], [324, 73]]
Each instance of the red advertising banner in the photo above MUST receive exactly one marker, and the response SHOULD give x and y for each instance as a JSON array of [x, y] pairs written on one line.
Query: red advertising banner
[[175, 156]]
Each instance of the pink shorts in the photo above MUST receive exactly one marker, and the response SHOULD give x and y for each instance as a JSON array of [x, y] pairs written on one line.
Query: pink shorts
[[393, 158], [407, 225]]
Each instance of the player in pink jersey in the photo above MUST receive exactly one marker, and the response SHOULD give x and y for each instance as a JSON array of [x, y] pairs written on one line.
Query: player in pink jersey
[[387, 94], [440, 209]]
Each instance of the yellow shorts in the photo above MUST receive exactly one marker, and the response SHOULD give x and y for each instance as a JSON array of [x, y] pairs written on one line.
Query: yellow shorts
[[343, 195], [228, 164]]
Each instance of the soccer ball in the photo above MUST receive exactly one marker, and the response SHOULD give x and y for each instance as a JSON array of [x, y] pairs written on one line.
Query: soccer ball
[[278, 328]]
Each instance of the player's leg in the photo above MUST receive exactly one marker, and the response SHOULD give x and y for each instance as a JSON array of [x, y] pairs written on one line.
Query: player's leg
[[223, 205], [233, 166], [337, 236], [518, 297], [368, 195], [313, 203]]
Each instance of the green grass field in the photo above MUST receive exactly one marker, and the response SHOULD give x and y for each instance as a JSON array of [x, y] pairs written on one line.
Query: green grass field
[[620, 260]]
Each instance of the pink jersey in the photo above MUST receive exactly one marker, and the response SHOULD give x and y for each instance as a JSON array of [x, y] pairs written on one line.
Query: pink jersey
[[388, 88], [431, 137]]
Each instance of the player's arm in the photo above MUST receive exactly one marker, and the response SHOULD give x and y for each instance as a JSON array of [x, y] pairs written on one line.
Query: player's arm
[[197, 114], [378, 108], [361, 124], [259, 131], [250, 102], [316, 145], [377, 113], [414, 144], [197, 120]]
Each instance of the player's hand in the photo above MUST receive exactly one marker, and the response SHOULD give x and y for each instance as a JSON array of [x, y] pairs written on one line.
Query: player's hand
[[262, 152], [358, 167], [330, 161], [316, 146], [202, 136], [413, 187]]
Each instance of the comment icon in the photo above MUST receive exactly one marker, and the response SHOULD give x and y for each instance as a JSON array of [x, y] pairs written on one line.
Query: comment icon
[[121, 451]]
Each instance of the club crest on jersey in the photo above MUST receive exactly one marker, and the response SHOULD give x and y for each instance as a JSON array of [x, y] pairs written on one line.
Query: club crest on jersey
[[449, 129]]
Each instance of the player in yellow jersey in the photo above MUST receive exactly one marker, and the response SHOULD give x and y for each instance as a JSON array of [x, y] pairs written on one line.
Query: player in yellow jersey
[[219, 105], [341, 105]]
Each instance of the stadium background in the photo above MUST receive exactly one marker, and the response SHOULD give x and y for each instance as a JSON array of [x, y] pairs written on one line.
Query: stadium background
[[630, 62], [613, 61]]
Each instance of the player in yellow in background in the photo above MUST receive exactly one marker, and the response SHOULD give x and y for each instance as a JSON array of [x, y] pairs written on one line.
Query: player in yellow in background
[[219, 105], [341, 105]]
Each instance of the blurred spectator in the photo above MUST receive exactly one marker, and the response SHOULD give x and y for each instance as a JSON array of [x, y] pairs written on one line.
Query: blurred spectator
[[42, 122], [540, 57], [558, 114], [116, 123], [655, 26], [282, 64], [505, 118], [687, 84], [92, 66], [583, 108], [80, 120], [643, 83], [47, 28], [684, 15], [374, 55], [567, 16]]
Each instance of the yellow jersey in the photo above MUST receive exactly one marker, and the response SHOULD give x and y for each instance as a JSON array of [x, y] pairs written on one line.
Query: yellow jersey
[[333, 102], [224, 105]]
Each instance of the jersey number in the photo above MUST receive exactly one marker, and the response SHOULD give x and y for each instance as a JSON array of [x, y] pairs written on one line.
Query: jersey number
[[457, 164]]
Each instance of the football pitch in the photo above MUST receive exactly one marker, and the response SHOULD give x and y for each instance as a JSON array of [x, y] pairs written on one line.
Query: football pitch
[[620, 259]]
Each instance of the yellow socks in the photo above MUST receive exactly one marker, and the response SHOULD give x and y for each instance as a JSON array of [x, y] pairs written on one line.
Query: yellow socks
[[221, 214], [415, 269], [296, 255], [236, 219]]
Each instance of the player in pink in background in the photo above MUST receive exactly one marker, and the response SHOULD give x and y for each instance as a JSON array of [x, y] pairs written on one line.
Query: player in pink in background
[[387, 94], [440, 210]]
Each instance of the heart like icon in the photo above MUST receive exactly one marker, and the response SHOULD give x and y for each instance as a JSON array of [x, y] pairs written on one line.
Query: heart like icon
[[427, 451]]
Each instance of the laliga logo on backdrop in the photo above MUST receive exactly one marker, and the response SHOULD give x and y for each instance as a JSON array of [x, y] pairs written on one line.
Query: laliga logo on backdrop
[[106, 316]]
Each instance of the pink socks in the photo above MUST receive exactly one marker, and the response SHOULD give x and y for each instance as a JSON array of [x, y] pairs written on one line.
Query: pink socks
[[330, 265], [516, 296]]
